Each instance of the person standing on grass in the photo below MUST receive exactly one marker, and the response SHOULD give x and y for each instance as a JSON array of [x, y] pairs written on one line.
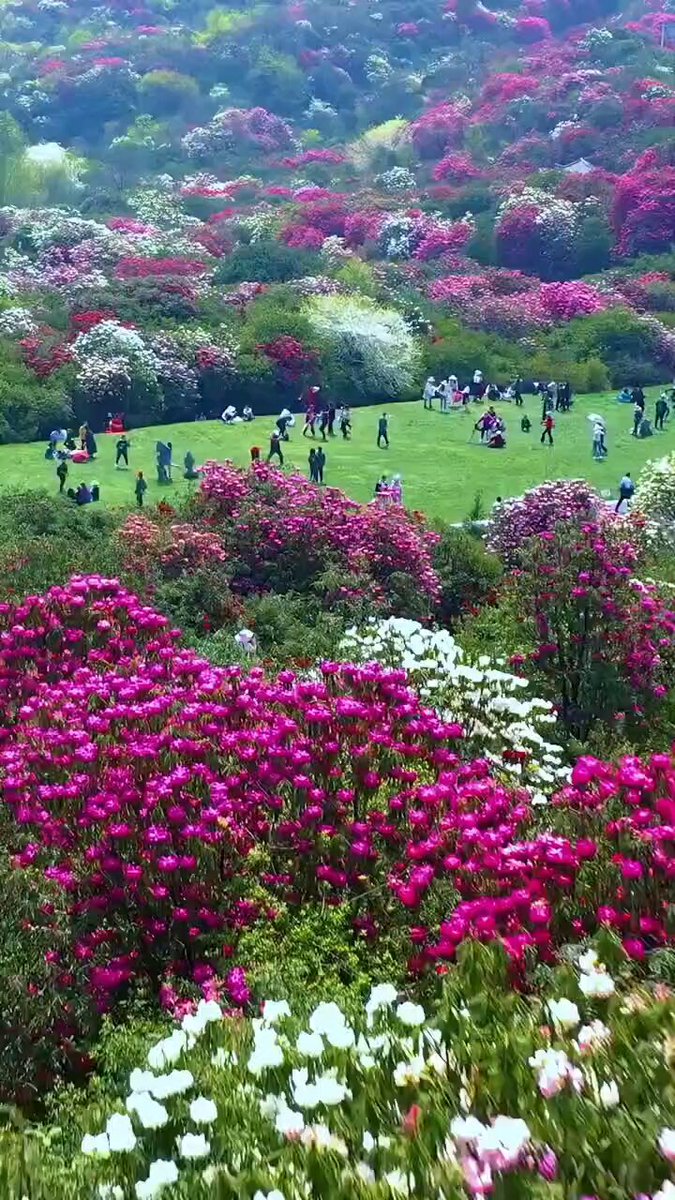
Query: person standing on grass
[[383, 431], [62, 475], [323, 423], [312, 466], [626, 491], [429, 393], [345, 422], [320, 464], [308, 427], [122, 451], [547, 431], [331, 419], [638, 413], [140, 489], [517, 386], [275, 447], [661, 411]]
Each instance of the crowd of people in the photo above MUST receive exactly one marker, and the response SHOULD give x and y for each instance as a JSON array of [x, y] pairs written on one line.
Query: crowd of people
[[324, 420]]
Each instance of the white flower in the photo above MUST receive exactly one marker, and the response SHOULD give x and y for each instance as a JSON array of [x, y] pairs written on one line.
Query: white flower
[[609, 1095], [275, 1194], [330, 1091], [151, 1114], [95, 1144], [141, 1081], [466, 1129], [667, 1144], [666, 1191], [173, 1084], [504, 1139], [326, 1017], [310, 1045], [163, 1172], [564, 1013], [319, 1137], [289, 1123], [398, 1182], [209, 1011], [110, 1191], [368, 1142], [274, 1010], [409, 1072], [591, 1037], [193, 1145], [341, 1037], [168, 1051], [120, 1133], [267, 1052], [411, 1014], [365, 1173], [383, 995], [588, 961], [203, 1111], [597, 985]]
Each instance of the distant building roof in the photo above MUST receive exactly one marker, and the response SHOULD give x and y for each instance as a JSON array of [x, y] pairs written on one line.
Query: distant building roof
[[580, 167]]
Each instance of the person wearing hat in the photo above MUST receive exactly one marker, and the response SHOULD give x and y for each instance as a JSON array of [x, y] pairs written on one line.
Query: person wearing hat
[[429, 392]]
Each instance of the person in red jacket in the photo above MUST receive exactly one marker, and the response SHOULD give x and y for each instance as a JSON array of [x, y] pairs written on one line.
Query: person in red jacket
[[547, 431]]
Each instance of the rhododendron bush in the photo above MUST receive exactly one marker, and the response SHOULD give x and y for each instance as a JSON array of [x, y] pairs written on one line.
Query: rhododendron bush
[[514, 522], [176, 804], [604, 641], [275, 532]]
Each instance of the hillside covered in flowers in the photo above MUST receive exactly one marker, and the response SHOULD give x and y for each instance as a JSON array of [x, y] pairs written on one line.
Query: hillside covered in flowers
[[200, 203]]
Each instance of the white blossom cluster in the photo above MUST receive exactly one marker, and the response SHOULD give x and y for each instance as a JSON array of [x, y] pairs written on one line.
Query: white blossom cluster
[[655, 494], [17, 322], [290, 1107], [491, 704], [375, 337]]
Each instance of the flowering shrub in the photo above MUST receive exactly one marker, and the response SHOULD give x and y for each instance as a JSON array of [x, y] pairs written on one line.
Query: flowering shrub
[[604, 641], [498, 718], [281, 533], [372, 344], [538, 511], [389, 1099], [655, 496]]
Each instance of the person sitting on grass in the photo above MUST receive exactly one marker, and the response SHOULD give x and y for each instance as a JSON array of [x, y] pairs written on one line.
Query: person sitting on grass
[[189, 468], [95, 491], [526, 424]]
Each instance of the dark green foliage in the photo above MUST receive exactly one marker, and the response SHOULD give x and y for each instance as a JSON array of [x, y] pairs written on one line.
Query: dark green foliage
[[266, 262], [469, 573], [29, 409]]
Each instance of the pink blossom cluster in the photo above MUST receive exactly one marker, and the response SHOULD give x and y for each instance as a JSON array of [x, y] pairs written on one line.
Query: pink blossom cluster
[[538, 511], [440, 241], [438, 129], [278, 527], [457, 167]]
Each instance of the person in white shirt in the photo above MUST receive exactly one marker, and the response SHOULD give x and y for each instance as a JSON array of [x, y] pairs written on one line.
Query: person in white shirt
[[429, 392]]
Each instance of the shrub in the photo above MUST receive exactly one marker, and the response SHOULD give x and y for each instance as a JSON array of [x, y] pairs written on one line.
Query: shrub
[[382, 1094], [540, 510], [655, 495], [468, 573], [605, 641], [368, 351], [266, 261]]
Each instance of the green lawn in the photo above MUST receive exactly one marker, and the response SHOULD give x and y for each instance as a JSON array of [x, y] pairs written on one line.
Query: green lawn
[[441, 462]]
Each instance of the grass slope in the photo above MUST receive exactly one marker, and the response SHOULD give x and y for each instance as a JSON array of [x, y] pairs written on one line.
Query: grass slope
[[442, 468]]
